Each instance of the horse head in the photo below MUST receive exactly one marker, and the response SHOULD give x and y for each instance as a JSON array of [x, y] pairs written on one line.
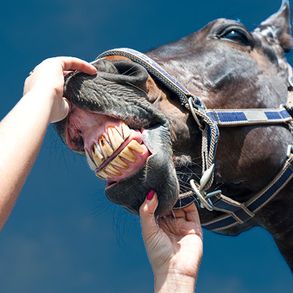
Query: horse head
[[137, 135]]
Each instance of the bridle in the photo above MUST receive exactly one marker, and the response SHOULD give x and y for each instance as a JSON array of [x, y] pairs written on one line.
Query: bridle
[[209, 121]]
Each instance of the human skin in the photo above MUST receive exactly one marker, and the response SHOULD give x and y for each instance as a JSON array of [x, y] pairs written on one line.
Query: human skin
[[23, 129], [173, 244]]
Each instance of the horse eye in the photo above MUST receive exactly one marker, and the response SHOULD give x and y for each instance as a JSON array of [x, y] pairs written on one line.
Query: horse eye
[[236, 35]]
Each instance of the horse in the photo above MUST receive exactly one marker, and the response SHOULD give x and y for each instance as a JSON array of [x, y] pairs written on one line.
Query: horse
[[205, 119]]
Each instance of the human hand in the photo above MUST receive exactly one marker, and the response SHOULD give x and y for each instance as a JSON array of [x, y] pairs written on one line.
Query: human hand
[[174, 245], [47, 81]]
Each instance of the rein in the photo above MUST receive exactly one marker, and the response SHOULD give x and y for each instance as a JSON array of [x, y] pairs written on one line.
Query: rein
[[208, 122]]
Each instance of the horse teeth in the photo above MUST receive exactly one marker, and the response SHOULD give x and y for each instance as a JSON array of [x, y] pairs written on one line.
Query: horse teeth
[[117, 162], [125, 130], [97, 156], [128, 155], [105, 147], [115, 138], [119, 130], [102, 174], [97, 161], [90, 161], [135, 146], [112, 171], [98, 151]]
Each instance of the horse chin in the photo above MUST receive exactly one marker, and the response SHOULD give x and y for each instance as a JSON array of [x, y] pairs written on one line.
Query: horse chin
[[158, 174]]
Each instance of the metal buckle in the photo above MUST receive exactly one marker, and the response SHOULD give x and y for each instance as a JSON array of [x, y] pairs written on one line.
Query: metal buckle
[[203, 198], [200, 196]]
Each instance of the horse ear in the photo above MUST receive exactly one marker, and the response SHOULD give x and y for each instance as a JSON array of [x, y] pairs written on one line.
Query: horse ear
[[278, 26]]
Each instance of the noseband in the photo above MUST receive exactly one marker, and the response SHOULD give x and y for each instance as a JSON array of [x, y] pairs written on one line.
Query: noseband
[[209, 121]]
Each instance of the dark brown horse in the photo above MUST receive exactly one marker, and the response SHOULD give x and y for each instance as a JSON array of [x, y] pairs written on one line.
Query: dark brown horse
[[138, 136]]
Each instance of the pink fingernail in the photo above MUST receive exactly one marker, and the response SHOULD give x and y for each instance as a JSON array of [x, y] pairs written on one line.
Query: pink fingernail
[[150, 195]]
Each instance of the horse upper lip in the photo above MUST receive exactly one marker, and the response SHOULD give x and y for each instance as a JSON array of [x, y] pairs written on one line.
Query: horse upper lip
[[114, 148]]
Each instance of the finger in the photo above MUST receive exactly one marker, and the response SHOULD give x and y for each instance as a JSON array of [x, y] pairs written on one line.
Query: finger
[[65, 73], [191, 213], [63, 111], [72, 63], [189, 208], [192, 217], [179, 213], [147, 215]]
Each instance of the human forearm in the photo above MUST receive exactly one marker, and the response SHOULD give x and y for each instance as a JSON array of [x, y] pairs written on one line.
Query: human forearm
[[21, 134], [23, 129], [174, 245], [174, 283]]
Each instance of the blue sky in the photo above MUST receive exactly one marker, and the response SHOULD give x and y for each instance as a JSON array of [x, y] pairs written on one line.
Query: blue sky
[[63, 235]]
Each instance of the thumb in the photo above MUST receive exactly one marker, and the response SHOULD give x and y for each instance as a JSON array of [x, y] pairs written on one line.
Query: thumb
[[61, 110], [147, 210]]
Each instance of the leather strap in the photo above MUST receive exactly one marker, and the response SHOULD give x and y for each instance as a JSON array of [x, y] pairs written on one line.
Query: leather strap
[[242, 117], [238, 213]]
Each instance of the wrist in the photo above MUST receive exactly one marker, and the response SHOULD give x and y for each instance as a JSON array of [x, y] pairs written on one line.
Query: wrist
[[50, 102], [174, 282], [42, 93]]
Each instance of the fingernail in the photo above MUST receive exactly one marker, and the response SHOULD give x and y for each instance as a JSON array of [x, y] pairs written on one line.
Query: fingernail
[[150, 195]]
